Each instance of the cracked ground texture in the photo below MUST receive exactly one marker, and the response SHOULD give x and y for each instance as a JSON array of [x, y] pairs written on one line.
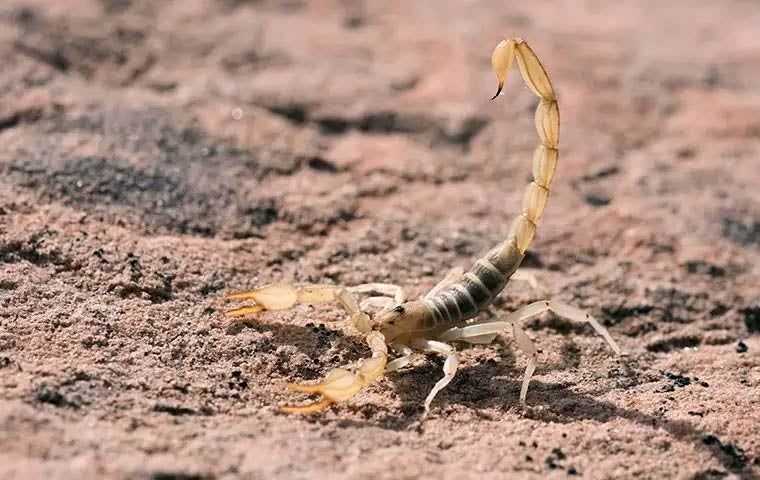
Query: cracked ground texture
[[157, 155]]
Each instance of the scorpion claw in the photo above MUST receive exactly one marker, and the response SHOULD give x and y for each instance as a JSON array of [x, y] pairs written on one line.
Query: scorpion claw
[[270, 297], [243, 311], [240, 296], [310, 408], [338, 385], [301, 387]]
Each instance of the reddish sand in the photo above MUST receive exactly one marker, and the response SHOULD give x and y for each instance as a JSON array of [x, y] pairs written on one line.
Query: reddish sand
[[156, 155]]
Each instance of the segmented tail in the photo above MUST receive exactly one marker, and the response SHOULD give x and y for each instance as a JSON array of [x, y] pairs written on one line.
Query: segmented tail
[[478, 287], [507, 256]]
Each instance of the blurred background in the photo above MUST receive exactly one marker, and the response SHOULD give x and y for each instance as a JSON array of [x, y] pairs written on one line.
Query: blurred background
[[155, 155]]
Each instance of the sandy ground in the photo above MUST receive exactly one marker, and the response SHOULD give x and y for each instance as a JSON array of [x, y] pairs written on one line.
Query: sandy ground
[[156, 155]]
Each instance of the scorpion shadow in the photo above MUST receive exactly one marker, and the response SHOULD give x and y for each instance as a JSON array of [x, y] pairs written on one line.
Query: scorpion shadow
[[493, 383], [496, 384]]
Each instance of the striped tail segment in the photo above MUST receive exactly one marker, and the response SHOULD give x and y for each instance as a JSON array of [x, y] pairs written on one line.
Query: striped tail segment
[[487, 278]]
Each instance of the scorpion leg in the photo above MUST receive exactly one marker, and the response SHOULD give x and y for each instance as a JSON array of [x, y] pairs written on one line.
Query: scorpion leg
[[382, 290], [377, 304], [528, 276], [449, 366], [283, 297], [403, 360], [481, 330], [340, 384], [384, 295], [528, 348]]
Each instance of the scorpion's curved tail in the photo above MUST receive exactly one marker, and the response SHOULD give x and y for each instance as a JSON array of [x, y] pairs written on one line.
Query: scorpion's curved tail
[[477, 288], [507, 256]]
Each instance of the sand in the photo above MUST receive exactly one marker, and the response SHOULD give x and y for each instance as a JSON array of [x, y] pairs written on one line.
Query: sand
[[157, 155]]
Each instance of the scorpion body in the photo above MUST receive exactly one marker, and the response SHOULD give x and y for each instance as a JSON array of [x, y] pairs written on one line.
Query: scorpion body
[[447, 313]]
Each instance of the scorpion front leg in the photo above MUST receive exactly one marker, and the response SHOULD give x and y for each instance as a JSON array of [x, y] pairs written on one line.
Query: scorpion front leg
[[340, 385]]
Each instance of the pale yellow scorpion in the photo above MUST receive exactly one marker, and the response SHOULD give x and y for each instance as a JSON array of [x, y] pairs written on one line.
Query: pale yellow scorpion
[[447, 313]]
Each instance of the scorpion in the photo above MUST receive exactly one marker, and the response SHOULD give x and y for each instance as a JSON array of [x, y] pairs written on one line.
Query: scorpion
[[446, 315]]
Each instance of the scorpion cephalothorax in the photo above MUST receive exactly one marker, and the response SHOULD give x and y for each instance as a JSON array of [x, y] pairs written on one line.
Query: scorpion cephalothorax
[[447, 313]]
